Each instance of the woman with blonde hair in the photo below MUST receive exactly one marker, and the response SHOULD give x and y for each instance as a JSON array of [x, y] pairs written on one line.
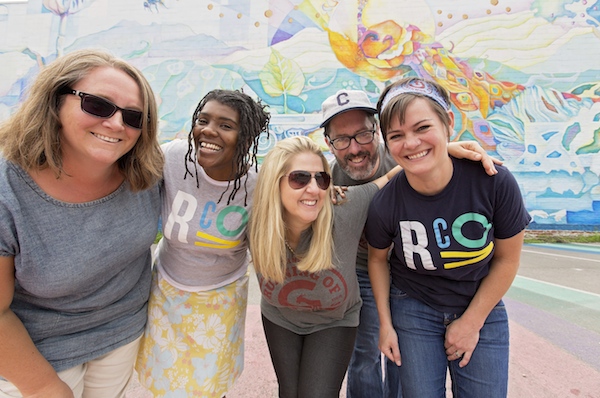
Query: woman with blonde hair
[[303, 250], [319, 254], [79, 167]]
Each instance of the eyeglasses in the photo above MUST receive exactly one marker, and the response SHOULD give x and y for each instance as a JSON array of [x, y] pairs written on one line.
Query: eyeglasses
[[362, 138], [298, 179], [99, 107]]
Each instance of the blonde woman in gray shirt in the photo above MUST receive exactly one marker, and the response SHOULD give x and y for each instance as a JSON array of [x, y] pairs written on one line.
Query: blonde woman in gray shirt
[[304, 250]]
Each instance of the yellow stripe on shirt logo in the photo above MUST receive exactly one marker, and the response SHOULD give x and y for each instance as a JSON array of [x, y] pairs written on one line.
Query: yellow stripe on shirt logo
[[469, 257], [218, 243]]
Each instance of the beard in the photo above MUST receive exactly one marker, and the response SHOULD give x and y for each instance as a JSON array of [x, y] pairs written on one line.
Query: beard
[[363, 172]]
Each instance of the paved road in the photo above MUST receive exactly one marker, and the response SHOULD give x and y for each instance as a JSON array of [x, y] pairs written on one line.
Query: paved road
[[554, 307], [554, 311]]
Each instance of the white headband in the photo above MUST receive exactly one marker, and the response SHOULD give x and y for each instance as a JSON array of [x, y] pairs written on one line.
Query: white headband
[[416, 86]]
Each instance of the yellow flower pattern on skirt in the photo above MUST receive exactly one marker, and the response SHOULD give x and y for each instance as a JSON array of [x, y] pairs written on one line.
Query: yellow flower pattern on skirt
[[193, 345]]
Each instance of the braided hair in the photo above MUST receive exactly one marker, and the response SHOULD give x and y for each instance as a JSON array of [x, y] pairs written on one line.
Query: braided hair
[[253, 120]]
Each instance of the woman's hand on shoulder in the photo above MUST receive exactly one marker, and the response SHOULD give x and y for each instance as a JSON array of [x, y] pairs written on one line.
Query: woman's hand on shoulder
[[473, 151]]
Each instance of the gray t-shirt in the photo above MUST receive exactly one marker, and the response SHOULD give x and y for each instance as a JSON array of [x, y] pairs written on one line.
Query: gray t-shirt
[[204, 245], [82, 270], [386, 163], [305, 303]]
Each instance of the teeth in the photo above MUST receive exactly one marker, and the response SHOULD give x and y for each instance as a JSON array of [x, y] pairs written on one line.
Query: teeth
[[357, 159], [418, 155], [212, 147], [105, 138], [309, 202]]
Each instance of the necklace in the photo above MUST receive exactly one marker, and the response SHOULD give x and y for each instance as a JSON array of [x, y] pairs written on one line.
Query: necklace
[[289, 248]]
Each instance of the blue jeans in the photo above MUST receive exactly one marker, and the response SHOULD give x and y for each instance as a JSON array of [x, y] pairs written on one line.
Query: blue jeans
[[421, 331], [365, 378]]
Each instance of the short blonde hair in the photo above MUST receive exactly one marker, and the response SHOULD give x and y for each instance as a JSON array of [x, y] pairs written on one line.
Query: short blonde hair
[[266, 228], [31, 136]]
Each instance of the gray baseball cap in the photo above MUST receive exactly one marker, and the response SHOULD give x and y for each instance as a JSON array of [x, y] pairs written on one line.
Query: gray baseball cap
[[343, 101]]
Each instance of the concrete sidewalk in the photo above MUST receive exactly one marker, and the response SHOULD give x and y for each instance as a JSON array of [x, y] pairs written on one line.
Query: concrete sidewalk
[[538, 368]]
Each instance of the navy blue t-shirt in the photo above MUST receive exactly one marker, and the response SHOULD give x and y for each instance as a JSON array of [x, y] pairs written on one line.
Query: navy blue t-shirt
[[443, 244]]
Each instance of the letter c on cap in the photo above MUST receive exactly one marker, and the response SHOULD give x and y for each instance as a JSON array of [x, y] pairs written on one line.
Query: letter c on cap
[[342, 99]]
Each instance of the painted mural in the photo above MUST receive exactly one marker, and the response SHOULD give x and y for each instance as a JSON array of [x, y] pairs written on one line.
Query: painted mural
[[524, 75]]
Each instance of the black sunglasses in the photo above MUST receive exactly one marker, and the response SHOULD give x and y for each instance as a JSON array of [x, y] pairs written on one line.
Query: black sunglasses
[[298, 179], [100, 107]]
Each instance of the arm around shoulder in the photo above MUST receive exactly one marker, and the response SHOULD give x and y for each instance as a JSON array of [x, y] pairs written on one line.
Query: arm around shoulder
[[381, 181], [473, 151]]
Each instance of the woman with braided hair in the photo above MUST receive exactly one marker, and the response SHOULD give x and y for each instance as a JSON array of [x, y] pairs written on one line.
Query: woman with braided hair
[[194, 338]]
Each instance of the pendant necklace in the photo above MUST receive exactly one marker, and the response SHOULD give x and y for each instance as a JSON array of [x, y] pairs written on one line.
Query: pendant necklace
[[290, 248]]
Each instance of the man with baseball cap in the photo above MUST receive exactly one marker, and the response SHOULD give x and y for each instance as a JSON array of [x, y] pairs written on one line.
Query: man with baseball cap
[[352, 133]]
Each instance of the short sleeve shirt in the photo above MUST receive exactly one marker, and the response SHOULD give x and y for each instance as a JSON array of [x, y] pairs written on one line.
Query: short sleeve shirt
[[308, 302], [443, 244], [82, 270]]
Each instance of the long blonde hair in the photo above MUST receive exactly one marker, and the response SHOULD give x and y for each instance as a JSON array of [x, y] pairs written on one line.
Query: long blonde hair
[[31, 136], [266, 228]]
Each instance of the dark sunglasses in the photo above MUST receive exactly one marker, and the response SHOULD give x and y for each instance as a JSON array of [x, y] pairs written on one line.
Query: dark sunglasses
[[298, 179], [99, 107]]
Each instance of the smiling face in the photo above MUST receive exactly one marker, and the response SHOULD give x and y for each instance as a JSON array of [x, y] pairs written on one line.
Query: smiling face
[[90, 141], [216, 132], [359, 161], [302, 206], [420, 145]]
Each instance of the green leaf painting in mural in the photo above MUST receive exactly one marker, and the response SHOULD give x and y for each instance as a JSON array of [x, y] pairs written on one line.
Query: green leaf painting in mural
[[281, 77]]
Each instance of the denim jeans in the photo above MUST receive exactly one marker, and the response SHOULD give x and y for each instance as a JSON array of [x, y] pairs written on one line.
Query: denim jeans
[[421, 331], [365, 378]]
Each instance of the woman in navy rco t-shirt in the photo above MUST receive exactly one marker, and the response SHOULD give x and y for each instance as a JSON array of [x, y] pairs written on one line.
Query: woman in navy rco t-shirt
[[455, 236]]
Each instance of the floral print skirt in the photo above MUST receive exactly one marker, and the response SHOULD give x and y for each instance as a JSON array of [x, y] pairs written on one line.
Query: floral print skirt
[[193, 345]]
